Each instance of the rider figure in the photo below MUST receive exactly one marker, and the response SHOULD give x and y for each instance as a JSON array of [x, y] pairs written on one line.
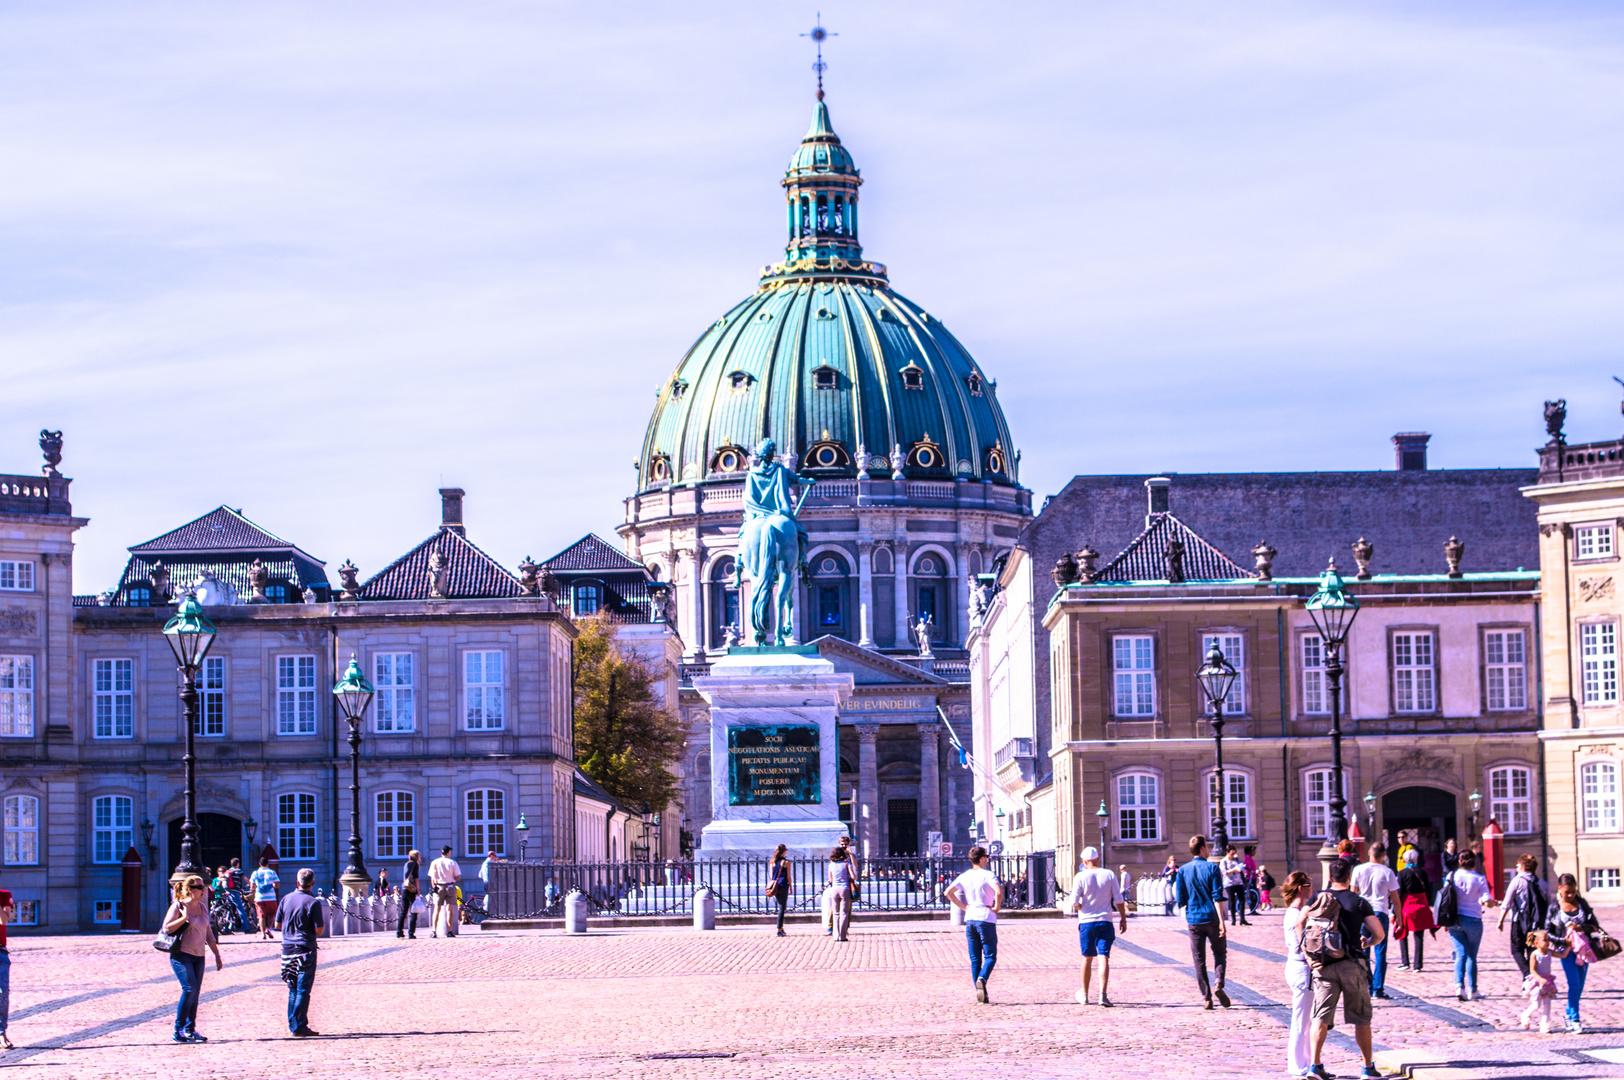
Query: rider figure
[[767, 492]]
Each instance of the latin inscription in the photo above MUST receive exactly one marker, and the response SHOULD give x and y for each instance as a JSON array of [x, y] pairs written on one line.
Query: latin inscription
[[773, 766], [884, 705]]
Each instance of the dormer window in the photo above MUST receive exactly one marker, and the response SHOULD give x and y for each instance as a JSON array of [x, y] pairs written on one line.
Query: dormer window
[[659, 470], [739, 381], [730, 459], [973, 381], [995, 460], [276, 594], [913, 377], [826, 378], [678, 388], [139, 596]]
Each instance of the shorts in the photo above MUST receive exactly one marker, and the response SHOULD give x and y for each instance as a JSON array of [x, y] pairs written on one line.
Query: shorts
[[1350, 980], [1095, 938]]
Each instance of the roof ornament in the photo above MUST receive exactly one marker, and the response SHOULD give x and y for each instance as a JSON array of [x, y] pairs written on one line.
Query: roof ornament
[[818, 34], [1363, 552], [1453, 550], [438, 565], [50, 444], [529, 578], [351, 588]]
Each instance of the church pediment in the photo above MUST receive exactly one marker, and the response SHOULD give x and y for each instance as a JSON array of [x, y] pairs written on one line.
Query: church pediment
[[873, 670]]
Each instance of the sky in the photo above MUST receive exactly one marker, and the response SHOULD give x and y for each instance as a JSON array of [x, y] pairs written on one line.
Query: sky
[[315, 261]]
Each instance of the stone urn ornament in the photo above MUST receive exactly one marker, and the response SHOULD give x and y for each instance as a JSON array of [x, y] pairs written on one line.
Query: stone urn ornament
[[1086, 558], [1556, 414], [258, 578], [1065, 570], [50, 444], [1362, 551], [1453, 550], [529, 578], [350, 589], [1263, 557]]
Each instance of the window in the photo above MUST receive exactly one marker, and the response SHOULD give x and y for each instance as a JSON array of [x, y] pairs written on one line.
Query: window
[[394, 825], [482, 690], [276, 594], [1507, 672], [115, 699], [927, 604], [913, 377], [16, 695], [212, 695], [22, 830], [1601, 877], [396, 707], [109, 911], [1237, 803], [1138, 807], [27, 913], [1413, 683], [17, 576], [111, 818], [138, 596], [829, 605], [1510, 801], [296, 826], [738, 380], [588, 599], [1134, 657], [1316, 687], [1233, 647], [486, 821], [973, 381], [1590, 542], [1598, 781], [1317, 801], [1598, 649], [827, 378], [295, 695]]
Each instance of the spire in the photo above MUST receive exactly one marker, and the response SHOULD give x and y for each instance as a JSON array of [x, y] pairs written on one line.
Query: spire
[[820, 186], [819, 35]]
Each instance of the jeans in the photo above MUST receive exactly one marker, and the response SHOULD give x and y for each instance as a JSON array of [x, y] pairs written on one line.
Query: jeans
[[1378, 954], [1520, 949], [189, 970], [299, 997], [1200, 934], [1575, 975], [5, 989], [1237, 904], [781, 894], [982, 938], [1404, 947], [235, 900], [407, 899], [840, 910], [1466, 935]]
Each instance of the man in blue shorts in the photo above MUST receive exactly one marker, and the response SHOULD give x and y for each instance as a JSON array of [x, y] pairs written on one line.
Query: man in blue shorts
[[1095, 895]]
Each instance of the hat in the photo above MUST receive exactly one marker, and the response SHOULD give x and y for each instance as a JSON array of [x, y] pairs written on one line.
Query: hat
[[1091, 854]]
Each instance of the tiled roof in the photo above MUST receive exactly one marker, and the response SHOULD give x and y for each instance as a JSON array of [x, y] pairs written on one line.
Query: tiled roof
[[585, 785], [184, 572], [1146, 558], [470, 574], [222, 529], [591, 552]]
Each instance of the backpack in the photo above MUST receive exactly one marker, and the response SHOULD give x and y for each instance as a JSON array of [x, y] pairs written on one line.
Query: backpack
[[1446, 908], [1529, 911], [1320, 936]]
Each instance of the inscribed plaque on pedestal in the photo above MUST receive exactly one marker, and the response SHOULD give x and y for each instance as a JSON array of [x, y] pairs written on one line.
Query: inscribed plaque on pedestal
[[773, 766]]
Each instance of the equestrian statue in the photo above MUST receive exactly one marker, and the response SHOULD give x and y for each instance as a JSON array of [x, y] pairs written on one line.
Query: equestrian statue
[[772, 544]]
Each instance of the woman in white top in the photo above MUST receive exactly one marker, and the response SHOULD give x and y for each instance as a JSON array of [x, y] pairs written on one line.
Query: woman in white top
[[842, 884], [1299, 1048], [1472, 895]]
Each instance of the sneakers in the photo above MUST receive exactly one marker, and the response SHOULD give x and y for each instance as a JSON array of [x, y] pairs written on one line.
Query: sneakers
[[1321, 1072], [305, 1032], [1223, 998], [1370, 1072], [192, 1036], [782, 934], [1208, 1005], [1105, 1001], [1379, 993], [1544, 1027], [981, 991], [1404, 967], [1479, 997], [1460, 993], [1082, 998], [1574, 1028]]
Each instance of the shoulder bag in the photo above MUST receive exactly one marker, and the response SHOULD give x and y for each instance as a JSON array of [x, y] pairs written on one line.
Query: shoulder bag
[[166, 942]]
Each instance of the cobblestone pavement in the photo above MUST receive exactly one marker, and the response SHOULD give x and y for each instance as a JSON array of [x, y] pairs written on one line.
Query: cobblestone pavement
[[738, 1002]]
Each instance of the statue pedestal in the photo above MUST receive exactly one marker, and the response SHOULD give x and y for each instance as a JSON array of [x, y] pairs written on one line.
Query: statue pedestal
[[775, 753]]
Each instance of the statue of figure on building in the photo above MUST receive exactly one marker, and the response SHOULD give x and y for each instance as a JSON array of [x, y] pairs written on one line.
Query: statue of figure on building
[[898, 459], [1362, 551], [529, 578], [772, 544], [1556, 414], [1454, 548], [438, 564], [731, 635], [258, 578], [1263, 556], [1175, 560], [50, 444], [551, 586], [924, 629], [309, 594], [349, 587]]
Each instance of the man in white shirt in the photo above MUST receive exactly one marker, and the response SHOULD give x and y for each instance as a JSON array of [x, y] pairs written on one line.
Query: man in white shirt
[[1095, 896], [444, 873], [1376, 882], [979, 894]]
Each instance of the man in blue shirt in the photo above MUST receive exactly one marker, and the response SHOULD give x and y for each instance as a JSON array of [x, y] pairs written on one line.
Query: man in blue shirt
[[1199, 889]]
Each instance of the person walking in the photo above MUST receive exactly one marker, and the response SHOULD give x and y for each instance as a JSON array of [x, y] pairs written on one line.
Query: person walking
[[1472, 896], [1377, 883], [842, 887], [235, 881], [264, 882], [1451, 857], [1095, 896], [7, 910], [444, 873], [1169, 872], [485, 869], [300, 919], [1346, 977], [1414, 910], [978, 893], [1300, 1037], [1570, 926], [383, 883], [1528, 907], [1249, 857], [411, 887], [1265, 888], [1199, 889], [1234, 871], [778, 882], [188, 917], [1539, 985]]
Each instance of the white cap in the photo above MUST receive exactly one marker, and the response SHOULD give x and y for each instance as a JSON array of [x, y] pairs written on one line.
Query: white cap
[[1091, 854]]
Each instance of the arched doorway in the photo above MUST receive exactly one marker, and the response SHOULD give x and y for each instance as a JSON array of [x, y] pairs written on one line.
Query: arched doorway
[[1430, 813], [219, 835]]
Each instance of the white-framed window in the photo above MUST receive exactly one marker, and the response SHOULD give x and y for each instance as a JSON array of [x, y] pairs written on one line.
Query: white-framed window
[[112, 822], [114, 705], [1316, 688], [296, 825], [588, 598], [211, 712], [16, 696], [1506, 670], [1598, 786], [16, 576], [395, 709], [1317, 801], [295, 695], [109, 911], [1414, 686], [22, 830], [484, 705], [1233, 646], [27, 913], [394, 823], [1237, 802], [486, 819], [1139, 807], [1511, 801], [1589, 542], [1602, 877], [1598, 649], [1134, 661]]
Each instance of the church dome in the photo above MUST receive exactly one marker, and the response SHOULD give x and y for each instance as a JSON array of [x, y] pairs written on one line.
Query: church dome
[[826, 359]]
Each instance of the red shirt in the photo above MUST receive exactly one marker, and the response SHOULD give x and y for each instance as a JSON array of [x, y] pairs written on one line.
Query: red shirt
[[5, 902]]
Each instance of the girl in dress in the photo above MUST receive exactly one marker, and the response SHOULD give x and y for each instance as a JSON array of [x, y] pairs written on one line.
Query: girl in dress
[[1540, 985]]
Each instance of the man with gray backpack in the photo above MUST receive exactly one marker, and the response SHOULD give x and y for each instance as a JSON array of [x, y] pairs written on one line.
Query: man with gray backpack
[[1330, 941]]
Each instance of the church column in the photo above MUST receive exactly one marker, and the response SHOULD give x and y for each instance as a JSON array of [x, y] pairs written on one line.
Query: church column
[[899, 558], [693, 612], [868, 792], [961, 599], [930, 784], [865, 593]]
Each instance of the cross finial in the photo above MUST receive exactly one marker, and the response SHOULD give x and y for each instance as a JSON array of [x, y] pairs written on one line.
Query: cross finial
[[818, 34]]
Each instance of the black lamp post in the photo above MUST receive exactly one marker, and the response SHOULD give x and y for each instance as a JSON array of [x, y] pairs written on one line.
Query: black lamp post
[[189, 635], [648, 825], [1476, 799], [523, 829], [1103, 817], [1333, 609], [251, 827], [147, 827], [1216, 676], [354, 694], [1370, 817]]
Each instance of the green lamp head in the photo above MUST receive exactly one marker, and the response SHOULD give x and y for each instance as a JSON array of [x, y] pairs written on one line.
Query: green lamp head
[[189, 634]]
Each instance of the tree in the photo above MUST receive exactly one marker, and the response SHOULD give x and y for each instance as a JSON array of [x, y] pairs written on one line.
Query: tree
[[625, 737]]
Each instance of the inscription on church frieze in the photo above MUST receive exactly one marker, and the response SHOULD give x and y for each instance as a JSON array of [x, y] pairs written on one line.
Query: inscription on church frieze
[[773, 766]]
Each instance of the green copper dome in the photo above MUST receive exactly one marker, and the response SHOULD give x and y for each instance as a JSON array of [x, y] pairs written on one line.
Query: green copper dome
[[827, 360]]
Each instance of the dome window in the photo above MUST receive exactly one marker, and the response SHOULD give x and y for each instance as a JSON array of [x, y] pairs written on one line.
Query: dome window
[[927, 455], [765, 316], [826, 378], [826, 453], [678, 388], [739, 380], [730, 459], [973, 381], [825, 313], [659, 470], [995, 460], [913, 377]]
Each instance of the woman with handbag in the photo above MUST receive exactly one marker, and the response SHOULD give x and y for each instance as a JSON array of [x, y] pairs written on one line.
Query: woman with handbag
[[842, 887], [1472, 896], [1575, 935], [1414, 913], [186, 924], [778, 879]]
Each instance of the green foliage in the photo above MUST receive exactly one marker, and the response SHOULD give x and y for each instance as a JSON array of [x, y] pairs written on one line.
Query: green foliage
[[625, 738]]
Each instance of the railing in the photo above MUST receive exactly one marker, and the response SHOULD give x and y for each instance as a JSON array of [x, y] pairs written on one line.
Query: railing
[[833, 489], [530, 890], [927, 489], [1587, 461], [34, 494], [1010, 751], [952, 670], [686, 672], [723, 495]]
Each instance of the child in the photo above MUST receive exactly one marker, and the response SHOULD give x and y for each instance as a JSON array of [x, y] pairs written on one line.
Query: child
[[1265, 888], [1539, 987]]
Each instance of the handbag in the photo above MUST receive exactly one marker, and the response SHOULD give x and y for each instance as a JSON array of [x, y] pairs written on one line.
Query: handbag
[[1605, 945], [166, 942]]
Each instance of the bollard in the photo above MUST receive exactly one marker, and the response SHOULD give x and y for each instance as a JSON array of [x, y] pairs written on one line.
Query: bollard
[[575, 907], [704, 910], [955, 913], [335, 918]]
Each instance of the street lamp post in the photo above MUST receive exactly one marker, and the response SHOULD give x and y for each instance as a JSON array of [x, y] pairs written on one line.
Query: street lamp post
[[1216, 676], [251, 827], [1333, 608], [523, 829], [1476, 799], [354, 694], [1370, 817], [189, 635], [1102, 817]]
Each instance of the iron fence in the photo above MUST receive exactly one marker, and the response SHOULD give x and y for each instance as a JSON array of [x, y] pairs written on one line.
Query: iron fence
[[529, 890]]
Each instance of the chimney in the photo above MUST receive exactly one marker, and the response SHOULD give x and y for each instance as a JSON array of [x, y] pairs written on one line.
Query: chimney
[[451, 510], [1156, 489], [1411, 450]]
